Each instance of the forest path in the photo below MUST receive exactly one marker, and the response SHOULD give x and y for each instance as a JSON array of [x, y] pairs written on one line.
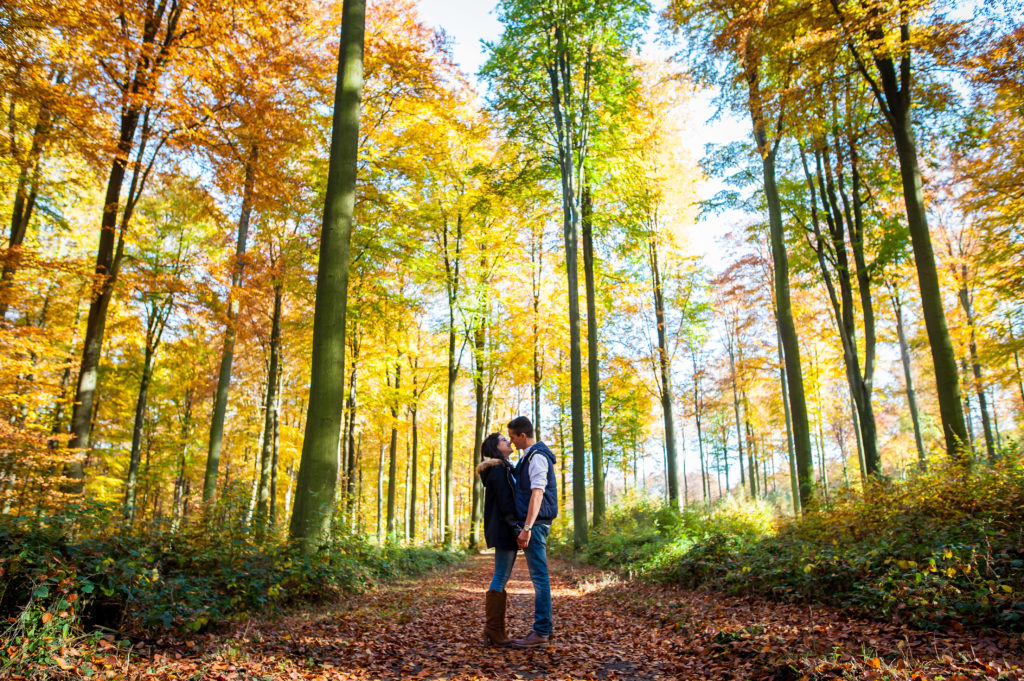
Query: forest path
[[430, 628]]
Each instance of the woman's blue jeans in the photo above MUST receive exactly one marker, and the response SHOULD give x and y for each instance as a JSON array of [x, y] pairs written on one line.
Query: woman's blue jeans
[[503, 562], [537, 561]]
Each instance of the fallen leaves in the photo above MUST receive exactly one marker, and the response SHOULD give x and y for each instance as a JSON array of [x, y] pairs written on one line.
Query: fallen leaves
[[605, 630]]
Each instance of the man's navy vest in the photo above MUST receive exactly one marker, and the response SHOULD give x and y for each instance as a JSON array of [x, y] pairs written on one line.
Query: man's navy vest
[[549, 504]]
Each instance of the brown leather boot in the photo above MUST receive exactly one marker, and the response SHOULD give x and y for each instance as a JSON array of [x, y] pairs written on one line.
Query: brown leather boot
[[494, 631]]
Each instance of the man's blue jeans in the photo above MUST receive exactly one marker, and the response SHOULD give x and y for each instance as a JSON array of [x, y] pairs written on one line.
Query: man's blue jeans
[[537, 560], [503, 562]]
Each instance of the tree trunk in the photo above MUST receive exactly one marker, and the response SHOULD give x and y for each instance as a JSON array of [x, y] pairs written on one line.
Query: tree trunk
[[705, 482], [353, 405], [665, 374], [837, 222], [908, 377], [537, 262], [393, 452], [784, 312], [448, 476], [414, 409], [479, 343], [311, 516], [380, 494], [561, 88], [593, 371], [220, 404], [731, 349], [270, 418], [136, 453], [972, 346], [947, 383], [275, 456]]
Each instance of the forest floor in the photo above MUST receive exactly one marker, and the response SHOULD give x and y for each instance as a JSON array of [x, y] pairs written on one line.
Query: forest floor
[[605, 628]]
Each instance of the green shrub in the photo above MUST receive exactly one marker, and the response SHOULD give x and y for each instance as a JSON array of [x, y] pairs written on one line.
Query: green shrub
[[940, 546], [67, 574]]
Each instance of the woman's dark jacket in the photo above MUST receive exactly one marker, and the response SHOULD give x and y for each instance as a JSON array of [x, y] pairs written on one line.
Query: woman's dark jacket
[[500, 524]]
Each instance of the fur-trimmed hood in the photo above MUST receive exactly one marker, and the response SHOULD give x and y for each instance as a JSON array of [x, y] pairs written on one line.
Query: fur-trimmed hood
[[488, 463]]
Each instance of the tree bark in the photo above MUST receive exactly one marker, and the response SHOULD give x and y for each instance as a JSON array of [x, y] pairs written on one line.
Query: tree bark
[[111, 245], [311, 515], [270, 418], [479, 346], [908, 377], [893, 95], [964, 295], [780, 260], [393, 452], [593, 370], [561, 94], [227, 353], [140, 417], [665, 376]]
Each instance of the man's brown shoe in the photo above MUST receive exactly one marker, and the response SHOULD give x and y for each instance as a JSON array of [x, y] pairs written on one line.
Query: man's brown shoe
[[532, 640]]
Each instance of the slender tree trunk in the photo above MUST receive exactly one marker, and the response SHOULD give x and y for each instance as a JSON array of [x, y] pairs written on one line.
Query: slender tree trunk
[[275, 457], [431, 524], [448, 480], [380, 494], [705, 483], [968, 412], [896, 105], [479, 343], [220, 404], [537, 262], [665, 374], [317, 475], [414, 411], [593, 370], [837, 222], [787, 327], [353, 405], [908, 377], [730, 348], [140, 417], [972, 346], [393, 453], [793, 481], [561, 93], [1016, 363], [270, 418]]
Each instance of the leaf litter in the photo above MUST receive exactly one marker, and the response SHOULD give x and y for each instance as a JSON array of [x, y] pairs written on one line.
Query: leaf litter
[[605, 629]]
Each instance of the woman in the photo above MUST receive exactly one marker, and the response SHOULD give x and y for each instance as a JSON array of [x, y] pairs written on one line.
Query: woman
[[500, 529]]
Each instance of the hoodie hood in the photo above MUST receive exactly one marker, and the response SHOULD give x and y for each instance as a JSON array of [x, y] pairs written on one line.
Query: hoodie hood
[[488, 463]]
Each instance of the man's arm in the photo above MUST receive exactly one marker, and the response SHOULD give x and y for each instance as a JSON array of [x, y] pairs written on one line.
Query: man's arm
[[532, 511]]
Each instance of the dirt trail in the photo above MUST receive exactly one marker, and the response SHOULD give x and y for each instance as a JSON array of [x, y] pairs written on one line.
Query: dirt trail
[[604, 629]]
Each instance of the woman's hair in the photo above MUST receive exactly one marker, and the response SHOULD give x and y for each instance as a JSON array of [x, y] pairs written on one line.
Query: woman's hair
[[489, 448]]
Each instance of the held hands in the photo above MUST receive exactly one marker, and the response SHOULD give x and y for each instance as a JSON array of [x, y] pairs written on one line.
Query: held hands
[[523, 540]]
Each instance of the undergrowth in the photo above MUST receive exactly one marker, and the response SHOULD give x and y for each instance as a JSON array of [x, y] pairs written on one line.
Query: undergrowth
[[942, 546], [69, 581]]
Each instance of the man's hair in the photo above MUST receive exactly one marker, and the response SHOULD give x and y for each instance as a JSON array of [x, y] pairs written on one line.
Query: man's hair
[[521, 425]]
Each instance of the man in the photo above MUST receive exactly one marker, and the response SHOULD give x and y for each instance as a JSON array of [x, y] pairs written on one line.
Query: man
[[536, 499]]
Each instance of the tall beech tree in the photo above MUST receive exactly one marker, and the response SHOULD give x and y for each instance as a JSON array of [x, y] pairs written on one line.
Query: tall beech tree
[[314, 495], [554, 61], [880, 36], [151, 37], [747, 37]]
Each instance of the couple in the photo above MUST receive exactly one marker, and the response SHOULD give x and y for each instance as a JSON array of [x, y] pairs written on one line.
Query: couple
[[519, 505]]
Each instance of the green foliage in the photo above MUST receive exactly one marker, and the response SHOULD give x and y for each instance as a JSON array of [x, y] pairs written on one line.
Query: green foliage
[[943, 546], [66, 574]]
